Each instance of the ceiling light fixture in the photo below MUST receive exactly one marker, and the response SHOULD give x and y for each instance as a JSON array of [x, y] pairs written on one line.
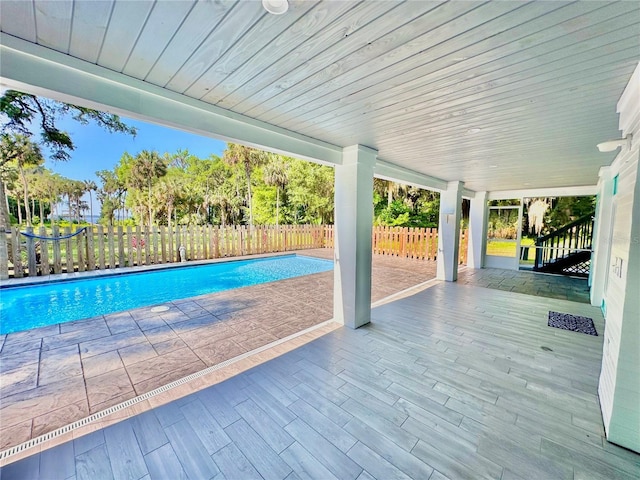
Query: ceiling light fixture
[[276, 7], [611, 145]]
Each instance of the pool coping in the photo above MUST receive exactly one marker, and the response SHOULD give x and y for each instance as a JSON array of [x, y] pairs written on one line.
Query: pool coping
[[70, 277]]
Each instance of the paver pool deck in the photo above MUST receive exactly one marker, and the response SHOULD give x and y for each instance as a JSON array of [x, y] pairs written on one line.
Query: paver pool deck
[[55, 375]]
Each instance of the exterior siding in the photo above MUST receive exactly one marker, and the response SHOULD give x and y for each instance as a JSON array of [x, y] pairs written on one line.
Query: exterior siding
[[619, 386]]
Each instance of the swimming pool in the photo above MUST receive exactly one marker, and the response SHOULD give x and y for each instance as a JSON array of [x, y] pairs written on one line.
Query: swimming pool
[[27, 307]]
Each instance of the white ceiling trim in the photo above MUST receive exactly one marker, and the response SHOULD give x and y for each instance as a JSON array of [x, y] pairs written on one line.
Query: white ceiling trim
[[545, 192]]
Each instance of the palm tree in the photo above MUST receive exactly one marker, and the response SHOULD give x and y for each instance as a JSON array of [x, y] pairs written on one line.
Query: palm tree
[[90, 186], [249, 157], [147, 169], [275, 174], [168, 192], [38, 189]]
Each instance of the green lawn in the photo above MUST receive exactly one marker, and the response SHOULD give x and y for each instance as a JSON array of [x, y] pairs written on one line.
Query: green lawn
[[507, 248]]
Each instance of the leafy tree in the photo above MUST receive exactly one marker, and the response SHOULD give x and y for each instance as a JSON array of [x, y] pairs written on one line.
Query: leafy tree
[[565, 210], [24, 112], [147, 168], [275, 175], [249, 158], [8, 179], [310, 192], [52, 189], [168, 193], [107, 194], [404, 206], [89, 187], [24, 154]]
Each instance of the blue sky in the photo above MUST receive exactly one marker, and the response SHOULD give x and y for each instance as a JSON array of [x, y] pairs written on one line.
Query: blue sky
[[96, 149]]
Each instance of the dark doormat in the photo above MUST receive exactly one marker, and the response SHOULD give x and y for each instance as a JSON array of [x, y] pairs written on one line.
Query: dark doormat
[[574, 323]]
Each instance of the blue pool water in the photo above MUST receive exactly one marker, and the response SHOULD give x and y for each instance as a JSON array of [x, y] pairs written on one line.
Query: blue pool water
[[23, 308]]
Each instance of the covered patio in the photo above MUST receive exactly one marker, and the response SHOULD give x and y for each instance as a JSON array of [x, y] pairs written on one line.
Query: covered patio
[[484, 101]]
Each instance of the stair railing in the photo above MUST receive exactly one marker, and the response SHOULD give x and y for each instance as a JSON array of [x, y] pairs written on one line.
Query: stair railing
[[573, 237]]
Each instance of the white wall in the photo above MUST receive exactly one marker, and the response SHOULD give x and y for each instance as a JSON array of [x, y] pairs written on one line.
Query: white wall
[[619, 387]]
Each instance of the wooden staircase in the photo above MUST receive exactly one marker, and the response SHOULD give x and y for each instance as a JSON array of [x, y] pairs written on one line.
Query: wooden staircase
[[566, 251]]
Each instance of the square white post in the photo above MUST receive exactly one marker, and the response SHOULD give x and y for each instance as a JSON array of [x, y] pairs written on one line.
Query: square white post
[[449, 232], [352, 241], [477, 231]]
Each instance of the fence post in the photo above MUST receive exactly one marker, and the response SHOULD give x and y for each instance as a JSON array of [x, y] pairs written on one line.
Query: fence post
[[44, 253], [129, 247], [147, 246], [154, 241], [31, 253], [170, 245], [195, 235], [163, 244], [101, 253], [215, 231], [176, 245], [81, 246], [91, 254], [192, 253], [57, 256], [68, 250], [138, 246], [112, 247], [4, 255], [18, 269], [205, 241], [121, 255]]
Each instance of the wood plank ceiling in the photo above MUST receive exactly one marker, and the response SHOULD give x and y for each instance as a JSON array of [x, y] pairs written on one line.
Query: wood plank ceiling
[[501, 95]]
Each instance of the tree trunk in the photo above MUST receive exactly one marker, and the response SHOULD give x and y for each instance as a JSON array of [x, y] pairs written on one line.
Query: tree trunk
[[277, 206], [19, 210], [150, 210], [53, 212], [5, 223], [90, 207], [41, 212], [25, 191], [247, 169]]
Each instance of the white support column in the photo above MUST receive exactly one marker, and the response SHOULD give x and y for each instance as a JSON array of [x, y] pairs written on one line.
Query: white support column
[[352, 242], [477, 231], [601, 237], [449, 232]]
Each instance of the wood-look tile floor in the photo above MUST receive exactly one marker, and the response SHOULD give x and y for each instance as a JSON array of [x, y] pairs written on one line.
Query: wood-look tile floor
[[452, 382]]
